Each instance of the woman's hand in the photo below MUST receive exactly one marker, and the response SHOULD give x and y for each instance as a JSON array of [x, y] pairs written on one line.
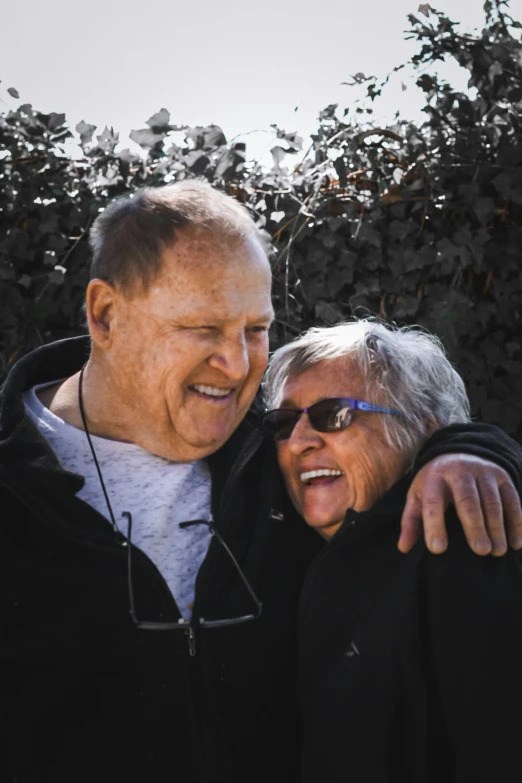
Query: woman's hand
[[484, 497]]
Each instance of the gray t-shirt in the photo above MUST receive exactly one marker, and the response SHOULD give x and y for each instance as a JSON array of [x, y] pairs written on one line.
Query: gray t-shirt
[[159, 494]]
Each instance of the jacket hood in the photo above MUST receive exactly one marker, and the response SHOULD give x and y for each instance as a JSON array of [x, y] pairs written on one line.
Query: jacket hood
[[22, 448], [43, 365]]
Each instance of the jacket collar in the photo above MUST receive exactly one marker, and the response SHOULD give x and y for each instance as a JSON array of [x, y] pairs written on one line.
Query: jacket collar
[[43, 365], [358, 525], [22, 448]]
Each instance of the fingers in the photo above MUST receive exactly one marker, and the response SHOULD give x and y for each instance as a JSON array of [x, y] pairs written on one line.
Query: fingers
[[466, 498], [426, 505], [485, 500], [501, 509], [434, 504], [512, 513], [411, 523], [493, 515]]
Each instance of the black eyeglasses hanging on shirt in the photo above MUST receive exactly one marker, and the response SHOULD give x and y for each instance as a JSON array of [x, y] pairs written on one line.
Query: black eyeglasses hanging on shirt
[[184, 625]]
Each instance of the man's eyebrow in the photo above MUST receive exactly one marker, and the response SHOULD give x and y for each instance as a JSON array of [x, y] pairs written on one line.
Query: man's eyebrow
[[268, 316], [194, 318]]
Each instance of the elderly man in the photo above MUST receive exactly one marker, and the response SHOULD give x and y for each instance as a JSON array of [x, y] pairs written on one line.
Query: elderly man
[[150, 577]]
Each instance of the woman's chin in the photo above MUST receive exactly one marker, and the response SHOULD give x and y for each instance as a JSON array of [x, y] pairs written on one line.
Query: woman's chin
[[325, 526]]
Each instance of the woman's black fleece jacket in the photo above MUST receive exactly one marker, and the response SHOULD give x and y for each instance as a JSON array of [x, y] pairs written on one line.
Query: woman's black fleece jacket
[[409, 666]]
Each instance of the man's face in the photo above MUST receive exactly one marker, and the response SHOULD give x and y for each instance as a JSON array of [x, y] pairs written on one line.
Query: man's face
[[186, 358]]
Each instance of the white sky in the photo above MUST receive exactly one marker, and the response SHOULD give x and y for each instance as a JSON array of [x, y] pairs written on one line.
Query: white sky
[[236, 63]]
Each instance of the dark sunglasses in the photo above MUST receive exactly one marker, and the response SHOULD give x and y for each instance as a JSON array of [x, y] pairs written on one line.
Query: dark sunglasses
[[329, 415]]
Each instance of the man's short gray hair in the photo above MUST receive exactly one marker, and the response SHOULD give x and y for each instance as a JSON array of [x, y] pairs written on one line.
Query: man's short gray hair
[[404, 368], [129, 237]]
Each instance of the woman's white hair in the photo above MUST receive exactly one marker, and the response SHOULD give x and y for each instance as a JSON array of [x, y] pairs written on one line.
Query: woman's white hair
[[404, 368]]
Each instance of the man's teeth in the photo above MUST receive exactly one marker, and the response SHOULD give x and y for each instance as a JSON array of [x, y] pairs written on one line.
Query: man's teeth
[[311, 474], [212, 390]]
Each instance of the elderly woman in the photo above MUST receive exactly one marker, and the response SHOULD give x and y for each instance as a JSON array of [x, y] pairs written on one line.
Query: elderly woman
[[409, 664]]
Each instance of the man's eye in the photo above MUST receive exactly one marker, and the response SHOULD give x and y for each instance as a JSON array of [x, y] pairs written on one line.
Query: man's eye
[[258, 329]]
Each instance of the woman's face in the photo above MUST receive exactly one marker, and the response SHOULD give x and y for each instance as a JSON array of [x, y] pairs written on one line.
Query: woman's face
[[365, 464]]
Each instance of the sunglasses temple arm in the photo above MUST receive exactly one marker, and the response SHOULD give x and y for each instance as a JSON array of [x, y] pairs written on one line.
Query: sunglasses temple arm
[[238, 569], [368, 406]]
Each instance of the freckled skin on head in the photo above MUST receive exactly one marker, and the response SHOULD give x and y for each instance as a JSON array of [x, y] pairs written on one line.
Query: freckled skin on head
[[202, 323], [369, 465]]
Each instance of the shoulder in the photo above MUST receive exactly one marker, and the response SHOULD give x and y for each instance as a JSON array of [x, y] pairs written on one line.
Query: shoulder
[[460, 578], [476, 439]]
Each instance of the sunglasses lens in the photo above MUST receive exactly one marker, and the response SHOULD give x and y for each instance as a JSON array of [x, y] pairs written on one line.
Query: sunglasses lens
[[280, 423], [325, 416], [330, 415]]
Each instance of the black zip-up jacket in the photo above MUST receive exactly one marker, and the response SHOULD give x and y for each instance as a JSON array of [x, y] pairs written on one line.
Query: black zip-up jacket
[[85, 695], [409, 664]]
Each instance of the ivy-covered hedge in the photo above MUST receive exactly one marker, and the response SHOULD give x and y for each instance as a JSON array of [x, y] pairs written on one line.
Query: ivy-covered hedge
[[417, 224]]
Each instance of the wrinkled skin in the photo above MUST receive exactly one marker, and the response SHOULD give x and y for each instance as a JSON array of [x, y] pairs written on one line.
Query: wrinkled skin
[[483, 493], [203, 323], [368, 465]]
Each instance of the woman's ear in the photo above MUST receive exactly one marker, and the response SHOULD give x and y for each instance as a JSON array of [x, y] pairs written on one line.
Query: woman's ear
[[100, 304], [431, 426]]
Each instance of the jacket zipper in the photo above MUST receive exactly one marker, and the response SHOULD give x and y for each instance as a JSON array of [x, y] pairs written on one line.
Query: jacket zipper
[[119, 551], [191, 640], [249, 449]]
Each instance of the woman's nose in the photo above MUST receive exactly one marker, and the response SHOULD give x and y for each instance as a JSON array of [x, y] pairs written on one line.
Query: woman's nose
[[304, 436]]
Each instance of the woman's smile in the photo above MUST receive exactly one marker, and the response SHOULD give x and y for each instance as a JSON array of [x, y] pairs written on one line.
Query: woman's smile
[[327, 473]]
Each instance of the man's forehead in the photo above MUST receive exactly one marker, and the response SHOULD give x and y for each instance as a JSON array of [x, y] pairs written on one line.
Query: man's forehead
[[218, 283], [198, 247], [218, 293], [213, 262]]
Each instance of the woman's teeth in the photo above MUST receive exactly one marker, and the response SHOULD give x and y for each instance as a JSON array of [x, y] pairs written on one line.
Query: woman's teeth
[[212, 391], [311, 474]]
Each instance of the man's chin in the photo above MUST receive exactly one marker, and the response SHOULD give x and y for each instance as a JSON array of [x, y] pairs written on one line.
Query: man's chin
[[212, 438]]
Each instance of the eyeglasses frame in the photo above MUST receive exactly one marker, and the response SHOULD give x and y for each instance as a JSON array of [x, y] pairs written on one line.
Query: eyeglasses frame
[[350, 402], [183, 623]]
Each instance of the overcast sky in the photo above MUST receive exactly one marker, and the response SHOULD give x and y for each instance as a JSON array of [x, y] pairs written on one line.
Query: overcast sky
[[237, 63]]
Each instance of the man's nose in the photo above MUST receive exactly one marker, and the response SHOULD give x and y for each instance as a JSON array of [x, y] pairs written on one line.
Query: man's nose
[[304, 436], [232, 358]]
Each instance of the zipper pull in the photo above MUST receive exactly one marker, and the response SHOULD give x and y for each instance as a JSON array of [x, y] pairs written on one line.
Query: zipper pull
[[352, 651], [191, 639]]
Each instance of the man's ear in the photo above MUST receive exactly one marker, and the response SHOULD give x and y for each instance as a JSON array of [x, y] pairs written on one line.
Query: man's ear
[[100, 305]]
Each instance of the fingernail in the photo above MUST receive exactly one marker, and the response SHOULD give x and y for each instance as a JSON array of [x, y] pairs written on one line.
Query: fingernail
[[517, 542], [438, 545], [482, 546], [499, 548]]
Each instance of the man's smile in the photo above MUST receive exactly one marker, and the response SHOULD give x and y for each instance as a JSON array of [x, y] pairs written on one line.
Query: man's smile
[[214, 393]]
